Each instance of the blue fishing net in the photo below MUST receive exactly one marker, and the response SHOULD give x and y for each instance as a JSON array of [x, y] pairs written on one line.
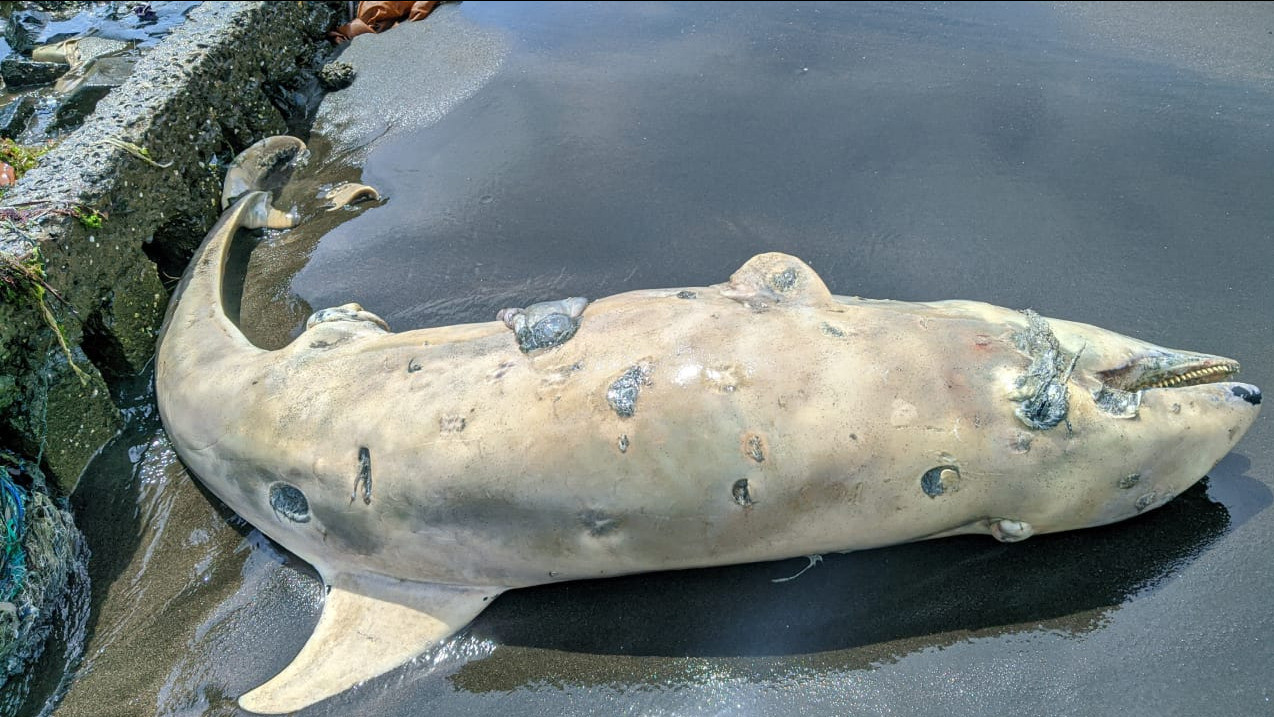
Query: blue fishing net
[[40, 552], [13, 501]]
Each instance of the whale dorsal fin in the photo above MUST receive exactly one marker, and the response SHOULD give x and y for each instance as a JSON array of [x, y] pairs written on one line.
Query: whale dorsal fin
[[775, 279], [369, 626]]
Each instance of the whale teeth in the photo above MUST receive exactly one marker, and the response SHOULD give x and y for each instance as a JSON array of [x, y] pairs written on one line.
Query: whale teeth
[[1196, 377]]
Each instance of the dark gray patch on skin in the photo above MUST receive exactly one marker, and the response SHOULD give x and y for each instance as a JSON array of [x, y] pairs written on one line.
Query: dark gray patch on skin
[[364, 478], [1044, 384], [552, 330], [741, 493], [352, 313], [783, 280], [687, 295], [831, 330], [1146, 501], [413, 366], [320, 344], [1129, 481], [546, 324], [1020, 443], [451, 424], [289, 502], [623, 443], [755, 448], [1251, 396], [1119, 403], [599, 523], [932, 482], [622, 393]]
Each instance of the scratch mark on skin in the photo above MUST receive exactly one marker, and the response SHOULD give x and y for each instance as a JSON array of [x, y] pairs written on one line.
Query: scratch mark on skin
[[502, 369], [364, 476]]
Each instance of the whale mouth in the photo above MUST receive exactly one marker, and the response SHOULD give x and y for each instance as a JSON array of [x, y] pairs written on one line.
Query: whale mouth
[[1169, 371], [1191, 376]]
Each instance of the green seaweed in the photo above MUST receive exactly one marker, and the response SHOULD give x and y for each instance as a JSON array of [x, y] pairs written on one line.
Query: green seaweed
[[137, 151], [89, 218], [22, 157], [24, 281]]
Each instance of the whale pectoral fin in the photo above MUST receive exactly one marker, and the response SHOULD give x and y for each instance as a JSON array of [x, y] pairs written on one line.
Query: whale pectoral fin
[[776, 279], [369, 626]]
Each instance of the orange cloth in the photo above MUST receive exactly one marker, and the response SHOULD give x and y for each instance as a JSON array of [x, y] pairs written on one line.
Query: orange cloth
[[380, 16]]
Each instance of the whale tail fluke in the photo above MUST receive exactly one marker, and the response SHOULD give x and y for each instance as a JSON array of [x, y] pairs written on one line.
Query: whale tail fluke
[[369, 626], [260, 166]]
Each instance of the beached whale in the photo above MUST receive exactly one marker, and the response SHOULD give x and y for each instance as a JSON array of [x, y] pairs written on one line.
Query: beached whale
[[424, 473]]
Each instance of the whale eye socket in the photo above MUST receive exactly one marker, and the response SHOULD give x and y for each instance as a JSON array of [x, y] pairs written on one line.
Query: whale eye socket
[[288, 501]]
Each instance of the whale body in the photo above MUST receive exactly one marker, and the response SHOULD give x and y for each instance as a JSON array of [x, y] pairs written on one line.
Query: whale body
[[423, 473]]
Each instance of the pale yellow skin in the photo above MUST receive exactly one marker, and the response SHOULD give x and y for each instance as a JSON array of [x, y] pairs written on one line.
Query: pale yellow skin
[[494, 469]]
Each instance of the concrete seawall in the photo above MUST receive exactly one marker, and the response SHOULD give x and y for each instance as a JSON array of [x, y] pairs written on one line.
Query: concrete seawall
[[148, 162]]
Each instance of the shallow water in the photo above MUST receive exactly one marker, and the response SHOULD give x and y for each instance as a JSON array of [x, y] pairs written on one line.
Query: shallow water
[[1077, 159]]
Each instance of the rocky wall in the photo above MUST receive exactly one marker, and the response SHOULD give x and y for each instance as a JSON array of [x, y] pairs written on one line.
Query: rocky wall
[[109, 218]]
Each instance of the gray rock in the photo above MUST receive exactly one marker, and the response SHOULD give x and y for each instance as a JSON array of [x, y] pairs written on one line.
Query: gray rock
[[226, 63], [93, 82], [15, 115], [21, 72], [24, 28], [61, 9], [88, 49], [336, 76]]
